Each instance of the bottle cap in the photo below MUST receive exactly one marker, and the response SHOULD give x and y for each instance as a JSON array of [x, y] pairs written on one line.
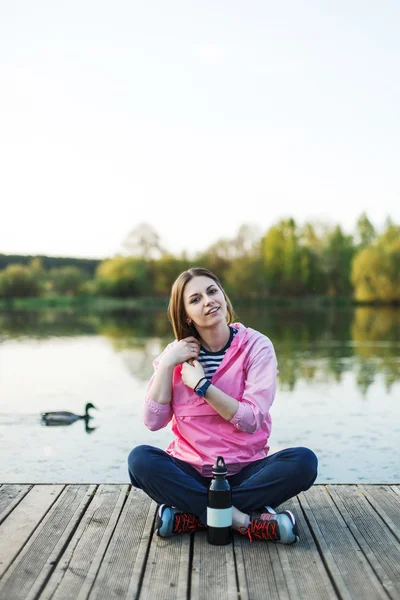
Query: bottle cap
[[220, 467]]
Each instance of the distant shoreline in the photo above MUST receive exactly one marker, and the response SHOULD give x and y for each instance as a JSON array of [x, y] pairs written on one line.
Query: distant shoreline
[[101, 304]]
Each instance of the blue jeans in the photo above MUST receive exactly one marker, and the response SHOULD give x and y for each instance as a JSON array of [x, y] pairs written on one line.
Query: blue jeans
[[266, 482]]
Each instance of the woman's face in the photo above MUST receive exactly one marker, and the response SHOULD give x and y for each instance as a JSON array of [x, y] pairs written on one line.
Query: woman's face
[[204, 302]]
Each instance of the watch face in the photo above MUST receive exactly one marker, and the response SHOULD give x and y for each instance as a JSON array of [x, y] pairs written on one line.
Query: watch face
[[201, 391]]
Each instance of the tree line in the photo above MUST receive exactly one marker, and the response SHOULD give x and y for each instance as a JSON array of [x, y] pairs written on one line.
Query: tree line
[[288, 260]]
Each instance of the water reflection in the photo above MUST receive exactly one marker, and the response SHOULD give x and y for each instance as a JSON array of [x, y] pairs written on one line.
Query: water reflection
[[376, 334], [342, 365], [313, 346], [84, 420]]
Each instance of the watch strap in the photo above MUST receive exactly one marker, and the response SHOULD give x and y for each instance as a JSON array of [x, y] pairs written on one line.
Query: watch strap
[[202, 389]]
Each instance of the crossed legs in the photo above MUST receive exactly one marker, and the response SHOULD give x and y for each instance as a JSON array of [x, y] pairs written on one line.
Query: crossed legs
[[266, 482]]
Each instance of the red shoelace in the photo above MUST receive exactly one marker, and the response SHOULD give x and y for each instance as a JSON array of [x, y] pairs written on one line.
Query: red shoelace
[[186, 523], [263, 527]]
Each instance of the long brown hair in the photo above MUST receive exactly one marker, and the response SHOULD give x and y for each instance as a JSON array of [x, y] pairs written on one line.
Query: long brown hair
[[176, 306]]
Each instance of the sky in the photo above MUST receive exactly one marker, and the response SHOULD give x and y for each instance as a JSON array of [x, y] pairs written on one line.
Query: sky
[[194, 117]]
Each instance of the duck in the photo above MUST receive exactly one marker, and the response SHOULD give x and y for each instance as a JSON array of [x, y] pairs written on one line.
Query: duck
[[64, 417]]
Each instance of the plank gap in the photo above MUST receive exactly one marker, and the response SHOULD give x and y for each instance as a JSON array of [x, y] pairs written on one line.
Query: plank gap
[[9, 507], [65, 544], [104, 552], [364, 545], [235, 562], [146, 557], [320, 551], [191, 554], [380, 511]]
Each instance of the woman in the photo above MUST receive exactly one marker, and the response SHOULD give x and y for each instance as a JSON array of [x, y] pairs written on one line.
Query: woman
[[217, 382]]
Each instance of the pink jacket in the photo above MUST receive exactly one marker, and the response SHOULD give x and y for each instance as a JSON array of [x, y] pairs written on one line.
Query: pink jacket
[[247, 373]]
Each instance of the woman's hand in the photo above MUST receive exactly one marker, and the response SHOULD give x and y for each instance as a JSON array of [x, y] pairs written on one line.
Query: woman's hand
[[186, 349], [191, 374]]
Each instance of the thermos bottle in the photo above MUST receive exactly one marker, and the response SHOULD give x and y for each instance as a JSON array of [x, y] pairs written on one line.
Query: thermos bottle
[[219, 508]]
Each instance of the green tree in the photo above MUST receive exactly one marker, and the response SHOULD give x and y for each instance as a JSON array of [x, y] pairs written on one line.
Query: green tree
[[242, 278], [36, 266], [124, 276], [165, 271], [66, 280], [221, 257], [365, 231], [312, 243], [39, 272], [337, 255], [18, 281], [285, 262], [375, 272], [217, 258]]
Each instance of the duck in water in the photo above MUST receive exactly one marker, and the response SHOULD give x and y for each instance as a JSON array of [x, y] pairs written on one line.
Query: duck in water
[[64, 417]]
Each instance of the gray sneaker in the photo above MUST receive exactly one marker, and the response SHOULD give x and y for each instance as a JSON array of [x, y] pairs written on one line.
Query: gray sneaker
[[171, 521], [272, 526]]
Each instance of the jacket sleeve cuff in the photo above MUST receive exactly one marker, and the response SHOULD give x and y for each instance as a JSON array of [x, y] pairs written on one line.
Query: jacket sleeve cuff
[[155, 415], [237, 417], [156, 407]]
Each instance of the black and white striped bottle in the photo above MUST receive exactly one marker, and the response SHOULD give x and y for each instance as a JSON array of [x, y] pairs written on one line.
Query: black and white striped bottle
[[219, 508]]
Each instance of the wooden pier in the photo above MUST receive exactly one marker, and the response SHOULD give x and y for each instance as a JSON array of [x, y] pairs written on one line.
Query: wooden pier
[[96, 541]]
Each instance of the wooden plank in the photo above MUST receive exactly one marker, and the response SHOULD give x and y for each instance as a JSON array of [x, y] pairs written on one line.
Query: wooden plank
[[260, 573], [121, 569], [17, 529], [81, 545], [395, 489], [241, 581], [373, 536], [305, 573], [302, 567], [77, 569], [213, 571], [10, 496], [386, 503], [167, 570], [348, 568], [29, 572]]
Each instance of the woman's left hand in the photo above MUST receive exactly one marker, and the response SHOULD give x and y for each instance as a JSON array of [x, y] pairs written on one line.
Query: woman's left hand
[[192, 373]]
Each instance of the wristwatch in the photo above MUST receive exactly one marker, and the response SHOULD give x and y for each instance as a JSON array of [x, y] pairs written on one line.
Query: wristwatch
[[201, 391]]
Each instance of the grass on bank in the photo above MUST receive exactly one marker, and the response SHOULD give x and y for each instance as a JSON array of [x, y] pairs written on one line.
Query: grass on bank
[[93, 303]]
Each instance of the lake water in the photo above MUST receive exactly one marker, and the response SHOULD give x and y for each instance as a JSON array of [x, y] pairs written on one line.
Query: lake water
[[338, 390]]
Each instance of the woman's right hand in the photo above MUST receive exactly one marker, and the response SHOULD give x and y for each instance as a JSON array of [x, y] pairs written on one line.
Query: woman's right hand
[[184, 350]]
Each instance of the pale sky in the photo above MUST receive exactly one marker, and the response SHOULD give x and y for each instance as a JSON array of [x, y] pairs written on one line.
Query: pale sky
[[195, 117]]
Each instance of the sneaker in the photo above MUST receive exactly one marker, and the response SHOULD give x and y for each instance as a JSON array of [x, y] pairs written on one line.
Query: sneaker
[[171, 521], [272, 526]]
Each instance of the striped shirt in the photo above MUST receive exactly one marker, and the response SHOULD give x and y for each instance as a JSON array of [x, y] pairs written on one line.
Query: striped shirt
[[210, 361]]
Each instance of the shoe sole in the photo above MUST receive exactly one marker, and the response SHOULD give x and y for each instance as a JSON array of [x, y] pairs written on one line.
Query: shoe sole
[[295, 528], [159, 516]]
